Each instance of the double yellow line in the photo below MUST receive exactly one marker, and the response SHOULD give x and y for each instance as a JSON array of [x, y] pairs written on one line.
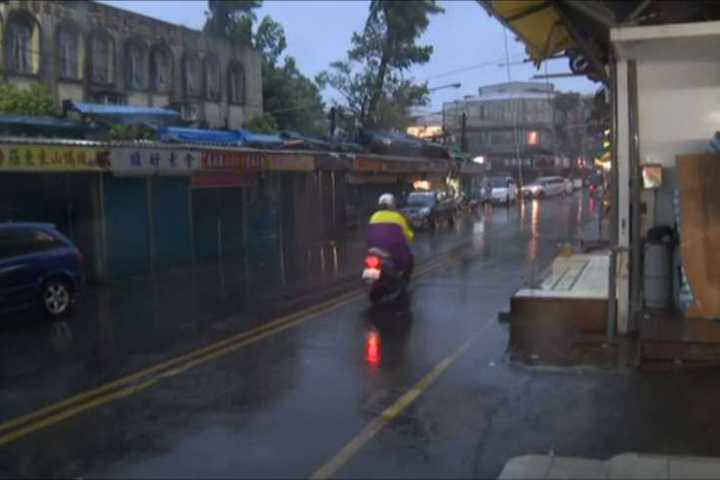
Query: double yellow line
[[142, 379]]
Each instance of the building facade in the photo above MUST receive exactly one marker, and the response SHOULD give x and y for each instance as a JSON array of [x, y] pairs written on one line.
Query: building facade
[[88, 51], [517, 122]]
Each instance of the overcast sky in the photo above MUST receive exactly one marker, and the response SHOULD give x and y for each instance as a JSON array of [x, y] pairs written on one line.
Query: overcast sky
[[319, 31]]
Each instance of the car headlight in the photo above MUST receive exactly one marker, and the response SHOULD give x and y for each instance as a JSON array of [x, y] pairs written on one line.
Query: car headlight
[[424, 211]]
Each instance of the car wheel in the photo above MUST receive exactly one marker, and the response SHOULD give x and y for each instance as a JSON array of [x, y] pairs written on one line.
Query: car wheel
[[57, 298]]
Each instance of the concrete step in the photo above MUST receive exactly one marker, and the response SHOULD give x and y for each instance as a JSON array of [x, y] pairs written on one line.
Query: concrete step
[[627, 465]]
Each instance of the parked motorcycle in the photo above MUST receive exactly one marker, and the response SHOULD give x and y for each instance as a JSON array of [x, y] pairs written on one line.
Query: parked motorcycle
[[383, 277]]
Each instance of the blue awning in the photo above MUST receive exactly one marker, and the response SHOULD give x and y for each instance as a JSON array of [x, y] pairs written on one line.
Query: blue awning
[[127, 114], [31, 126], [118, 110], [197, 135]]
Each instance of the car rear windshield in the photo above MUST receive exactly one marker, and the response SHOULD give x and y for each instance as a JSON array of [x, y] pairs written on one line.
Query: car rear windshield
[[420, 199]]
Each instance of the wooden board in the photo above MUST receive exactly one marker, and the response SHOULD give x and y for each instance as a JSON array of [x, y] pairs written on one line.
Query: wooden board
[[700, 230]]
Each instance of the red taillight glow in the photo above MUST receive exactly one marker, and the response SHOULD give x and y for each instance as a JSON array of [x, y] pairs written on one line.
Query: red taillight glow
[[372, 348], [372, 261], [592, 187]]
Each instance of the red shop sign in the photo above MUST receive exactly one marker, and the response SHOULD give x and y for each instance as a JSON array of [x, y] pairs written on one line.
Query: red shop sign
[[232, 160]]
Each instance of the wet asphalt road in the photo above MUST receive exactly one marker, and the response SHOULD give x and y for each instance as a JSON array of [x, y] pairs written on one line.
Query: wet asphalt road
[[285, 403]]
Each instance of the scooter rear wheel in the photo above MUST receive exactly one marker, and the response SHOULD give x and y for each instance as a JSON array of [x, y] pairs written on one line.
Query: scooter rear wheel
[[374, 296]]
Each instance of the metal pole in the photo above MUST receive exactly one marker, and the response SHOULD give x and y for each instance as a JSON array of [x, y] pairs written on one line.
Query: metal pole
[[333, 200], [151, 223], [614, 207], [101, 243], [635, 277], [281, 230], [191, 232]]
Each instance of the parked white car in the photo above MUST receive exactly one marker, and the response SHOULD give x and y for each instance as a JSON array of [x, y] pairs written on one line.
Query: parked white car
[[504, 190], [548, 187]]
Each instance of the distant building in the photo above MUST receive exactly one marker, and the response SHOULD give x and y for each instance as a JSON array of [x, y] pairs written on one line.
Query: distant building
[[89, 51], [517, 122]]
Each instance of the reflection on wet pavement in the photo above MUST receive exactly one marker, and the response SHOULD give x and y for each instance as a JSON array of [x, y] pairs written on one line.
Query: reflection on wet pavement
[[248, 412], [140, 321]]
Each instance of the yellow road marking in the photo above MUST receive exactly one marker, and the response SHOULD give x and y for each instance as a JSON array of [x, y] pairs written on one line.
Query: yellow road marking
[[168, 363], [367, 433], [193, 358], [9, 437], [52, 419]]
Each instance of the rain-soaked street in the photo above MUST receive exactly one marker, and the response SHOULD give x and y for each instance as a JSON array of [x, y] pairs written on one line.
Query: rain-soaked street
[[187, 377]]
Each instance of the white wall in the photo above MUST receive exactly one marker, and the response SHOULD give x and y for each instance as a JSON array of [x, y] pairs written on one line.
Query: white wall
[[678, 97], [70, 91], [679, 112], [213, 115]]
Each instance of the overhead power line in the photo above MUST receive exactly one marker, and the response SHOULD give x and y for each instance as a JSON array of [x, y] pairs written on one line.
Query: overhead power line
[[472, 67]]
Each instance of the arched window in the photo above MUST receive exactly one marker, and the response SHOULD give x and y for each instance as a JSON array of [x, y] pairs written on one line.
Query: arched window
[[161, 68], [236, 83], [192, 74], [212, 77], [69, 51], [102, 57], [22, 43], [136, 61]]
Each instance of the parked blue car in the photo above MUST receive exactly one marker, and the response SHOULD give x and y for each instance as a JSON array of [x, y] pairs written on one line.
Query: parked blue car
[[39, 266]]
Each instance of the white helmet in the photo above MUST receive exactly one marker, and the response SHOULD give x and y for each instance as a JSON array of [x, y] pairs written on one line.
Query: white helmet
[[387, 200]]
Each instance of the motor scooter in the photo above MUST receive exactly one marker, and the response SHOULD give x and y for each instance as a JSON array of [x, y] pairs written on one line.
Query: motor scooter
[[384, 278]]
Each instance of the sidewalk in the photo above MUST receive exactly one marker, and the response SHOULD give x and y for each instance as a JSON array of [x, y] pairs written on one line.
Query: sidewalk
[[626, 465]]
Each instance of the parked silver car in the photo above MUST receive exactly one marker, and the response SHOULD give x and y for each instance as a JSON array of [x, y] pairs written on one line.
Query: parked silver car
[[548, 187]]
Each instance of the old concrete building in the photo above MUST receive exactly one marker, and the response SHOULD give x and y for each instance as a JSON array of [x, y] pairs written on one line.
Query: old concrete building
[[507, 122], [88, 51]]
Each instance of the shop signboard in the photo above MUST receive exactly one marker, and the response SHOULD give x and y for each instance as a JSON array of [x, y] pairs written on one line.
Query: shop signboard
[[228, 168], [290, 162], [149, 161], [236, 160], [406, 166], [364, 164], [52, 158], [361, 179]]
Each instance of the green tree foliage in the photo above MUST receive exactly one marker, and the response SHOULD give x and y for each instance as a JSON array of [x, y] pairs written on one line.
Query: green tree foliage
[[121, 131], [372, 78], [35, 100], [264, 123], [289, 96], [292, 99], [231, 18]]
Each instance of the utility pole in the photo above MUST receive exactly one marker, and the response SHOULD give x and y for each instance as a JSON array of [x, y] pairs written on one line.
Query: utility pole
[[463, 136], [332, 121]]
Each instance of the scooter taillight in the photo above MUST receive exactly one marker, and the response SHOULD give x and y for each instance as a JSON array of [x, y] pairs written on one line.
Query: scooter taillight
[[372, 261]]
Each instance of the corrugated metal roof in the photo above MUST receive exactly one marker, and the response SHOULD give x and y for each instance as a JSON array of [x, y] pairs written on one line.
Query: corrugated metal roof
[[39, 121]]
